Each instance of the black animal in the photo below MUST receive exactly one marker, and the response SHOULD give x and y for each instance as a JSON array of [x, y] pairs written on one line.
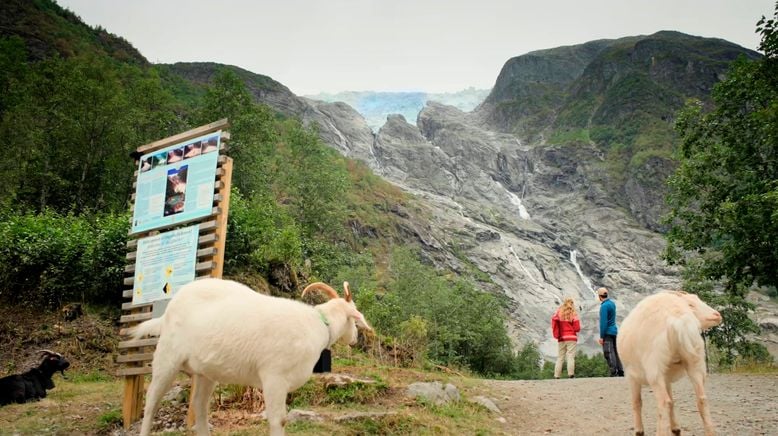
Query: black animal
[[72, 311], [32, 385]]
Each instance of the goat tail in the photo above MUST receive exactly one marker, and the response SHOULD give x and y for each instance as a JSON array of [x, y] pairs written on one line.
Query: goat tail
[[151, 327]]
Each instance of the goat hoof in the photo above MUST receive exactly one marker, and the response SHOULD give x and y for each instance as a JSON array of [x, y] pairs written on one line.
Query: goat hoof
[[676, 432], [639, 433]]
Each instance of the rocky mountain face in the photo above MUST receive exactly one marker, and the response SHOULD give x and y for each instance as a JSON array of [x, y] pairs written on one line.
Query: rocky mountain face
[[532, 218], [620, 95]]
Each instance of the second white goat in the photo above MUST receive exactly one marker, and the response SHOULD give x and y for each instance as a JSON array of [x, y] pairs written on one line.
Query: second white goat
[[220, 331], [659, 341]]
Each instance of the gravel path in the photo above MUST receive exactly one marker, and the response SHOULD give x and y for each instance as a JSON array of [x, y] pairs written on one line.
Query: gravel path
[[740, 405]]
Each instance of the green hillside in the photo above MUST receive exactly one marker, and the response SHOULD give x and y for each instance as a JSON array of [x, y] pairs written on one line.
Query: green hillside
[[48, 29], [75, 105]]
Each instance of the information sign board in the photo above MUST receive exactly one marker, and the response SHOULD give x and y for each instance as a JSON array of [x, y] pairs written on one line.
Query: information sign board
[[164, 263], [176, 184]]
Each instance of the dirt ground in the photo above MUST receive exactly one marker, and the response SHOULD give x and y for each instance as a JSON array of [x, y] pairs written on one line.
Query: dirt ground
[[739, 404]]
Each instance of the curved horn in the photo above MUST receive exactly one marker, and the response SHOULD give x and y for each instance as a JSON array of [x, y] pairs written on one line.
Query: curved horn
[[322, 287], [49, 352], [346, 291]]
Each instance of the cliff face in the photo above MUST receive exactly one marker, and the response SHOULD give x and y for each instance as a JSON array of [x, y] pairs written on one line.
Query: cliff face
[[555, 184], [620, 96]]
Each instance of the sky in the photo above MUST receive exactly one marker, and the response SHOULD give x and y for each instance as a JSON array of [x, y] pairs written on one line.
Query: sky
[[314, 46]]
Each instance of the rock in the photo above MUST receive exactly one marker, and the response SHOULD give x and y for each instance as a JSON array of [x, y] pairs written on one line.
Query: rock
[[303, 415], [434, 392], [176, 395], [332, 379], [506, 200], [486, 402]]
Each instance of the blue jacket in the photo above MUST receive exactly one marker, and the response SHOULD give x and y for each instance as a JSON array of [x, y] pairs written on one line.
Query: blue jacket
[[608, 319]]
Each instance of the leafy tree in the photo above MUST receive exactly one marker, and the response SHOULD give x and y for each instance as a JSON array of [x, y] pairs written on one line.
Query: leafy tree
[[72, 123], [260, 234], [724, 196], [462, 326], [13, 68]]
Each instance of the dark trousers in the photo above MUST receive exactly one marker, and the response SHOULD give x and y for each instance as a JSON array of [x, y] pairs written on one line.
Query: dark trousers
[[612, 356]]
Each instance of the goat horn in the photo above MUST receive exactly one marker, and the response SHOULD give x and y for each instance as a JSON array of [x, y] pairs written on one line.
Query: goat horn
[[322, 287], [346, 291], [49, 352]]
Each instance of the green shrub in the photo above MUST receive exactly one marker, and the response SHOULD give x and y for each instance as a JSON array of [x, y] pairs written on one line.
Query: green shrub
[[48, 259], [463, 325], [591, 366]]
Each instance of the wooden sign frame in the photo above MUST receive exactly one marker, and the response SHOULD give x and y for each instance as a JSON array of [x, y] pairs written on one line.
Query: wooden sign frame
[[135, 355]]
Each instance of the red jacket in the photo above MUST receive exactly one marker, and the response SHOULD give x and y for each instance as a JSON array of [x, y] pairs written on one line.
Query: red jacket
[[565, 330]]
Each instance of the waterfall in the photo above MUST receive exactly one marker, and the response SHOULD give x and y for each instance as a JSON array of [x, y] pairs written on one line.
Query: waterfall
[[517, 202], [523, 268], [587, 283]]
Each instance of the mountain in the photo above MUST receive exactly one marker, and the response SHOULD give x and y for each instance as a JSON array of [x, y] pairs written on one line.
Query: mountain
[[555, 183], [529, 194], [619, 95], [49, 29], [376, 106]]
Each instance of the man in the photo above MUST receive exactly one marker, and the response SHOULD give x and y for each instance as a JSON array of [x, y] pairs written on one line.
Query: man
[[608, 332]]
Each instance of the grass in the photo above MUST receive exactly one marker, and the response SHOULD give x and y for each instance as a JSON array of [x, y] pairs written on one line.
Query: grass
[[90, 404], [753, 368], [75, 406]]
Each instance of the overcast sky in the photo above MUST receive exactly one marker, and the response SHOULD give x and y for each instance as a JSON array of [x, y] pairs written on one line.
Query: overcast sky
[[397, 45]]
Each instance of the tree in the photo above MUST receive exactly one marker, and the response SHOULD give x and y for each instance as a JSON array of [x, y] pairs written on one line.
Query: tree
[[724, 195], [70, 125]]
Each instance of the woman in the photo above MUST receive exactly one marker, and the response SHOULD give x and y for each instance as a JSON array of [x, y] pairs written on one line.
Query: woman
[[565, 326]]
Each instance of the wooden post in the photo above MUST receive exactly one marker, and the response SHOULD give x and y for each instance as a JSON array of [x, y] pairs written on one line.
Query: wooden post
[[221, 220], [137, 354], [133, 399]]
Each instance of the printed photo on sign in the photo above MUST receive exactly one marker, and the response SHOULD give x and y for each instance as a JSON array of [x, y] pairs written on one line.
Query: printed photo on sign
[[175, 193], [159, 160], [176, 155], [176, 184], [192, 150], [211, 144], [145, 164]]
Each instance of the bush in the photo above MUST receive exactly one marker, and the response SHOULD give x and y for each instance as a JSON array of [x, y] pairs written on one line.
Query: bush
[[455, 323], [591, 366], [48, 259]]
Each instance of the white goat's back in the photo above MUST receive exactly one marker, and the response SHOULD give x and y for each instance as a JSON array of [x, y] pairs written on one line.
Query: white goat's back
[[227, 332]]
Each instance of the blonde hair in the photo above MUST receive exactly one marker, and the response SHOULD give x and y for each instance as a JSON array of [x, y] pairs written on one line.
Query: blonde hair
[[567, 310]]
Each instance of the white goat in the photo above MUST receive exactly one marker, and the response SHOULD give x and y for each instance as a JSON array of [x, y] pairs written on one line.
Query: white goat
[[222, 331], [658, 342]]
